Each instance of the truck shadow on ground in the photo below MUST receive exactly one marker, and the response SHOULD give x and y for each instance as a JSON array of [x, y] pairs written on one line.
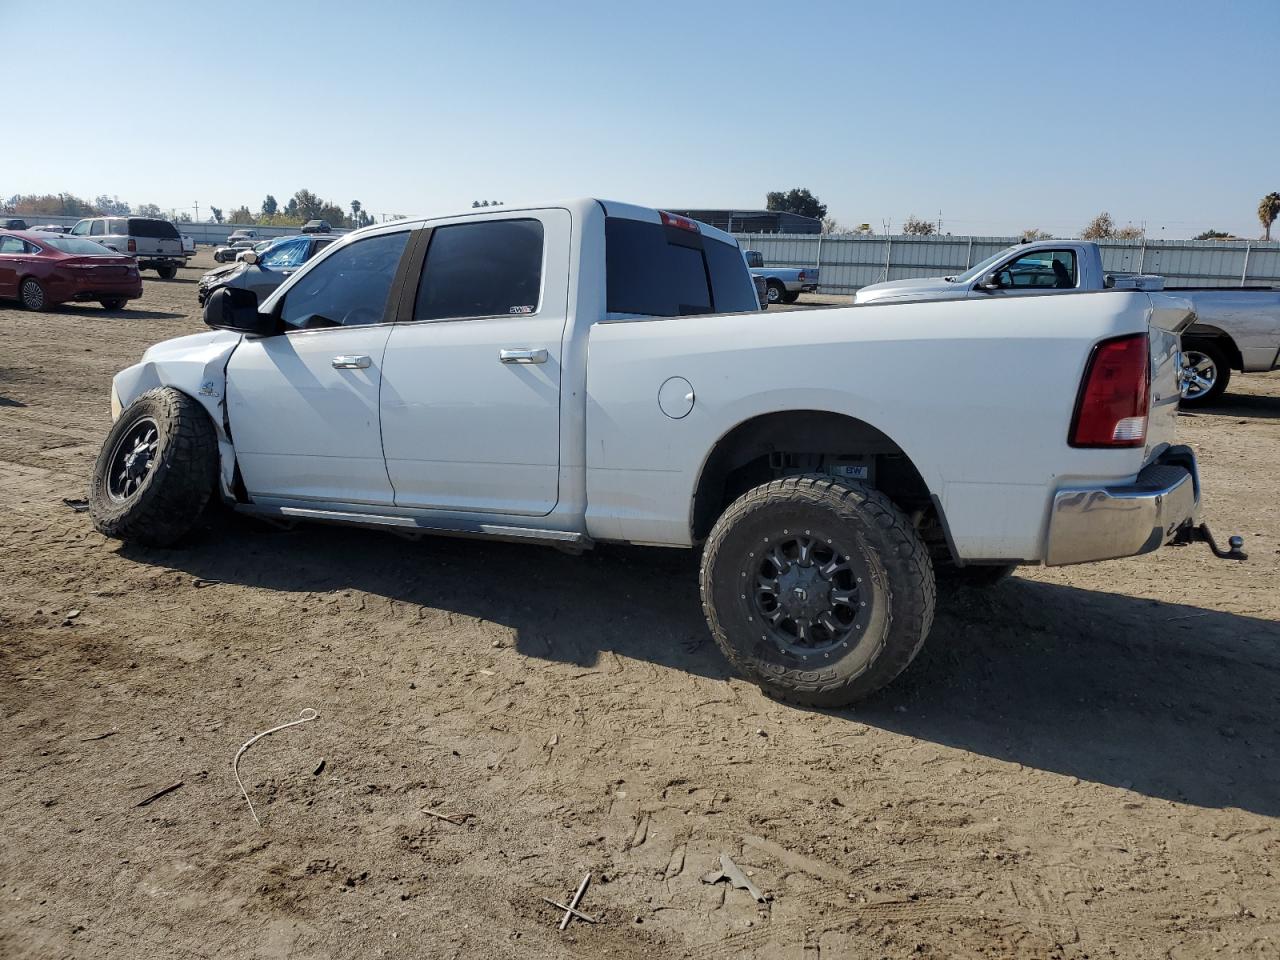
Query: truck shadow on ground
[[128, 313], [1241, 405], [1167, 700]]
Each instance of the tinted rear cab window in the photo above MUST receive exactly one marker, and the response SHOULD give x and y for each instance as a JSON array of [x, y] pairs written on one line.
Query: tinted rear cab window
[[660, 271], [159, 229]]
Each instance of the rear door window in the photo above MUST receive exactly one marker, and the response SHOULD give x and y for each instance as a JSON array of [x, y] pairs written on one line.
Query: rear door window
[[118, 228], [661, 271], [154, 229], [486, 269], [96, 228]]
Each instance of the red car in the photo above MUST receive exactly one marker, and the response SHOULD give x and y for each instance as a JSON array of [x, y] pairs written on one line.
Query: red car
[[44, 269]]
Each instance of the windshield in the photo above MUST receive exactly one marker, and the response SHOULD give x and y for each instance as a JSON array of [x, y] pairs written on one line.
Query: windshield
[[81, 248], [974, 272]]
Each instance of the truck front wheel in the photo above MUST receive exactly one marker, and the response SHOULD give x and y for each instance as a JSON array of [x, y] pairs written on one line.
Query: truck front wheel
[[819, 591], [776, 291], [156, 471]]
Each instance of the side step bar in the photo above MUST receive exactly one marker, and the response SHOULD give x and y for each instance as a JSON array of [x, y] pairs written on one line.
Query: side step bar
[[414, 527]]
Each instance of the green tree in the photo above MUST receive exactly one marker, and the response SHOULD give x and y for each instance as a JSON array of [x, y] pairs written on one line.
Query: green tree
[[1212, 234], [355, 212], [216, 213], [798, 200], [48, 204], [1035, 233], [919, 228], [1268, 210], [240, 215], [306, 204], [150, 210], [291, 209], [110, 206], [269, 206]]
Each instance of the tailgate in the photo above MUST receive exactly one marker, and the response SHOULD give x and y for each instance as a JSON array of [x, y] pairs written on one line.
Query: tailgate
[[1170, 315]]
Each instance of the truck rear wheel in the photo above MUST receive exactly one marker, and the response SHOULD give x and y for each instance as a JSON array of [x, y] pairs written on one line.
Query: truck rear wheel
[[790, 297], [1206, 371], [819, 591], [168, 271], [156, 471]]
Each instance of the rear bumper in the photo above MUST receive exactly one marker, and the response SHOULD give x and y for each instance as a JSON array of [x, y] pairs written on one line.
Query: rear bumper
[[1102, 523]]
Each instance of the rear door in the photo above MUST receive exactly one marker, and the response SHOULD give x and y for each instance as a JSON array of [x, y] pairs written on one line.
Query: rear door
[[471, 382], [154, 238]]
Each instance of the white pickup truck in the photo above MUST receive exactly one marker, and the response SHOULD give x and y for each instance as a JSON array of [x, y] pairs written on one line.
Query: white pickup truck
[[593, 371], [1235, 328]]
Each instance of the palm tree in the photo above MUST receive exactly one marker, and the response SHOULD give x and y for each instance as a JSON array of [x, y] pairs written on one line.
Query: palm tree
[[355, 213], [1268, 210]]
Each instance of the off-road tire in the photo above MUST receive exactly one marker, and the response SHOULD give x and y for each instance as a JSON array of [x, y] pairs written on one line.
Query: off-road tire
[[113, 304], [1222, 370], [172, 497], [776, 291], [33, 295], [902, 590], [168, 271]]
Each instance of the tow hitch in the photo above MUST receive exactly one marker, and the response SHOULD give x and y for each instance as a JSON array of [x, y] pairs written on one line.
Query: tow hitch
[[1202, 534]]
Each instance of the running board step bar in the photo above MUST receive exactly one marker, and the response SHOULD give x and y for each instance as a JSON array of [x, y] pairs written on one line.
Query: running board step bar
[[416, 526]]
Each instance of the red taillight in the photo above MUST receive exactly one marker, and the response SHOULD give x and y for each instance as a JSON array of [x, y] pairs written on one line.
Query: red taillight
[[1112, 408], [801, 277], [679, 222], [133, 245]]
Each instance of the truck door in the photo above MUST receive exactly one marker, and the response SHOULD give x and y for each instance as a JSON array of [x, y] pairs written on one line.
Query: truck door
[[471, 383], [303, 404], [1037, 271]]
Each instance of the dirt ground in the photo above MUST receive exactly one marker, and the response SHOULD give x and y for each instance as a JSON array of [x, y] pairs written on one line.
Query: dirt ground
[[1082, 763]]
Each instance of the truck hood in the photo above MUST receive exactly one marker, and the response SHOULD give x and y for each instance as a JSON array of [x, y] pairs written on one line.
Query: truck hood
[[918, 288]]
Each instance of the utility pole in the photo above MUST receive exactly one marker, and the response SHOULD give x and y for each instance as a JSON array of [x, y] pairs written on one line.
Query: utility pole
[[197, 211], [939, 223]]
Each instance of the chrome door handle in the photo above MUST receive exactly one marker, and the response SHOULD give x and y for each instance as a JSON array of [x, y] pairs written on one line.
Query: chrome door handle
[[523, 355], [352, 363]]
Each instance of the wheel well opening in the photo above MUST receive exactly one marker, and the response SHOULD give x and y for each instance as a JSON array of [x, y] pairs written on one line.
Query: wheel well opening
[[1219, 338], [796, 442]]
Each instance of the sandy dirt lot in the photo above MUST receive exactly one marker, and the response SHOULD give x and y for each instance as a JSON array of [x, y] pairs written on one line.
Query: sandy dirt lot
[[1083, 762]]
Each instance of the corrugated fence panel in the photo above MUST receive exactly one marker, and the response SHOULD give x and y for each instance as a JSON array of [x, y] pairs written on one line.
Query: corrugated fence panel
[[848, 262]]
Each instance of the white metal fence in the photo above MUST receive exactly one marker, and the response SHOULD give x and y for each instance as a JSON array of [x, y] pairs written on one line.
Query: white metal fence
[[847, 263]]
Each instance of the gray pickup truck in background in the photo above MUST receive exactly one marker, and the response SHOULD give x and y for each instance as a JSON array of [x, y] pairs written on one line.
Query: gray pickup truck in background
[[782, 284], [1236, 328]]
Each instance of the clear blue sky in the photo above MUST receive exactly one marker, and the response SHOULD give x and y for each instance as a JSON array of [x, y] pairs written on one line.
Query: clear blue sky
[[999, 115]]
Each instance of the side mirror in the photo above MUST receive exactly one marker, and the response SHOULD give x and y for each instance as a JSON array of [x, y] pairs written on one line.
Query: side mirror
[[249, 256], [230, 308], [990, 281]]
